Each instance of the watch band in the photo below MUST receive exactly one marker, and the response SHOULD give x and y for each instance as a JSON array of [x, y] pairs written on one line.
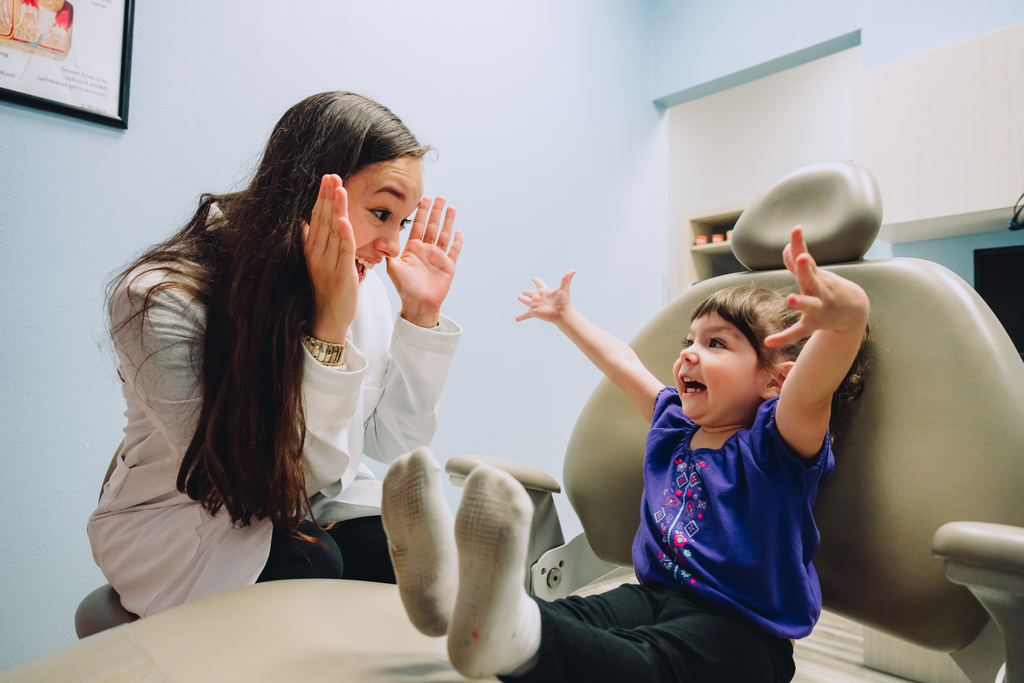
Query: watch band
[[325, 353]]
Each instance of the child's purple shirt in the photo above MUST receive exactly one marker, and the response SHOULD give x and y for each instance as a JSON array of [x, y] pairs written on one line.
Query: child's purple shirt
[[734, 525]]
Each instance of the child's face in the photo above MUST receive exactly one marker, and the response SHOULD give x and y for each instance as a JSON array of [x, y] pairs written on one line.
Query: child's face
[[720, 382]]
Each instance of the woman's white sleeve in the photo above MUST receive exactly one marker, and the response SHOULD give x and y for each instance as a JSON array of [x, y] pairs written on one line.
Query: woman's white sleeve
[[157, 353], [330, 398], [407, 414]]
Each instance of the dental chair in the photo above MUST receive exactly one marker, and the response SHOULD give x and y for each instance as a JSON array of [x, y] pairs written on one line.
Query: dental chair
[[920, 523], [930, 461]]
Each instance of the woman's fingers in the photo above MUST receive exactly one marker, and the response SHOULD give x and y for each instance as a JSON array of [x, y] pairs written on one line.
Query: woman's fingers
[[446, 228], [434, 221], [346, 240], [327, 221], [340, 205], [310, 229], [456, 249], [331, 229], [419, 221]]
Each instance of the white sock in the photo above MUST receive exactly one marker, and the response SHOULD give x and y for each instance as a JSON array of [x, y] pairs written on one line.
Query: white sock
[[496, 626], [421, 540]]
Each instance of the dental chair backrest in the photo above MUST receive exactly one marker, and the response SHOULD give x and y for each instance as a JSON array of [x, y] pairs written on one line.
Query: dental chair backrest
[[937, 436]]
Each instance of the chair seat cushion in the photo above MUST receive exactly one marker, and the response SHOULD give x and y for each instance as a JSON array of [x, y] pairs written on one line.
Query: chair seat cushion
[[99, 611]]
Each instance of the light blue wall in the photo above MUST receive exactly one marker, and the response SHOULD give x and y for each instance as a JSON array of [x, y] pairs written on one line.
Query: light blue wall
[[547, 143], [957, 253]]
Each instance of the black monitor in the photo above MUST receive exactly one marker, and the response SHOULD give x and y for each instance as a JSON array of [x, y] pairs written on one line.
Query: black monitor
[[999, 279]]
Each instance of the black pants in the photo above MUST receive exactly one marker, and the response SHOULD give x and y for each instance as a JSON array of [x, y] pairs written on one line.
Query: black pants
[[637, 633], [356, 549]]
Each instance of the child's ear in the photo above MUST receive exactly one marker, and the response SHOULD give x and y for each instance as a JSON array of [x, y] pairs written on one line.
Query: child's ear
[[776, 376]]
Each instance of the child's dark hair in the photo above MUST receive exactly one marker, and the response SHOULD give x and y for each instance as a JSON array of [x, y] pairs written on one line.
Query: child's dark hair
[[758, 313]]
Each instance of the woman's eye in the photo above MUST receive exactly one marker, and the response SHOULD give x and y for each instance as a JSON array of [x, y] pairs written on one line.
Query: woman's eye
[[381, 214], [406, 222]]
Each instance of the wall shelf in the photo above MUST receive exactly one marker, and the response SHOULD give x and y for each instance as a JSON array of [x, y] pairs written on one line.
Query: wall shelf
[[703, 261], [713, 248]]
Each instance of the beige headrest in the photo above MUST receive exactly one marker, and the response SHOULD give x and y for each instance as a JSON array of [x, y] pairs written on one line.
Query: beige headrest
[[837, 203]]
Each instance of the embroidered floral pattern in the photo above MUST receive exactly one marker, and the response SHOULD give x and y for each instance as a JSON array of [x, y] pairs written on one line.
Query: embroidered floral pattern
[[677, 515]]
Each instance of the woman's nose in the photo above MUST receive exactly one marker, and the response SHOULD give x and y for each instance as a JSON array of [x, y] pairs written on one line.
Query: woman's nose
[[388, 242]]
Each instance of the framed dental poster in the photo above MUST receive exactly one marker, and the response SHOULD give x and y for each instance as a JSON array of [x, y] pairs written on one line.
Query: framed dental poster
[[72, 58]]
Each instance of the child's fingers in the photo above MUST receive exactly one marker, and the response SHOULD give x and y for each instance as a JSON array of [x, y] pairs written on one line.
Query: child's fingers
[[806, 304], [787, 258], [524, 316], [787, 336], [806, 273], [797, 241], [566, 279], [540, 283]]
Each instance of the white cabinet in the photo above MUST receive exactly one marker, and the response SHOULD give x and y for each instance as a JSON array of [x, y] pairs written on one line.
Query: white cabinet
[[943, 132]]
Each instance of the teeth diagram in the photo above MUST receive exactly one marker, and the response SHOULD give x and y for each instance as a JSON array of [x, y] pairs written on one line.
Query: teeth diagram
[[42, 27]]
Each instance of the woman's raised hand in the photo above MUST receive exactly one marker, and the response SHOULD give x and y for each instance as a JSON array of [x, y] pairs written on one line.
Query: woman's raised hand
[[826, 300], [549, 305], [423, 274], [330, 250]]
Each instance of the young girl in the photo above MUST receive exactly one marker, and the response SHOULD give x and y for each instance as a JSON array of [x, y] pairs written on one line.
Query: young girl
[[723, 554]]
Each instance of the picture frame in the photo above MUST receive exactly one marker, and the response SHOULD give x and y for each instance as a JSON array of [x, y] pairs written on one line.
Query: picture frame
[[68, 57]]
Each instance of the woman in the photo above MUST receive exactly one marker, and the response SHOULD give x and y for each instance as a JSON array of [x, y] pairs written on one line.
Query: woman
[[260, 362]]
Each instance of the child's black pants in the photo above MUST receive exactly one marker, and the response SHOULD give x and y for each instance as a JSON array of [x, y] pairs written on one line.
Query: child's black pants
[[638, 633]]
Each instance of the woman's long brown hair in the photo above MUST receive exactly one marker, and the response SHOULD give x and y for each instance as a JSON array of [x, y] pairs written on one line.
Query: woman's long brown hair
[[246, 267]]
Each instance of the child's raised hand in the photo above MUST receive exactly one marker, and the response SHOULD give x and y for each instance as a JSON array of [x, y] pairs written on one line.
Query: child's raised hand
[[826, 300], [549, 305]]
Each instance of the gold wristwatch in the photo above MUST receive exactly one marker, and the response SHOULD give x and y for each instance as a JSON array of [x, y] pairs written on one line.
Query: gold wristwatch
[[325, 353]]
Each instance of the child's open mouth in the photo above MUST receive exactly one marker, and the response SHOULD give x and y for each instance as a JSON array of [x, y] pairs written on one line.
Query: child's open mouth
[[693, 387]]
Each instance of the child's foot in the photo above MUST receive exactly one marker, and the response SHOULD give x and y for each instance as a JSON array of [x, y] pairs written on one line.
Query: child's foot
[[496, 626], [421, 542]]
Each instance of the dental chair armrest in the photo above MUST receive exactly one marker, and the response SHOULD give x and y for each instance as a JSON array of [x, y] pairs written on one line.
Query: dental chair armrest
[[996, 547], [459, 467]]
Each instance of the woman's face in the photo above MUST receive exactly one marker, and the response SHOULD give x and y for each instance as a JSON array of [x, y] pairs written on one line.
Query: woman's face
[[380, 198]]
